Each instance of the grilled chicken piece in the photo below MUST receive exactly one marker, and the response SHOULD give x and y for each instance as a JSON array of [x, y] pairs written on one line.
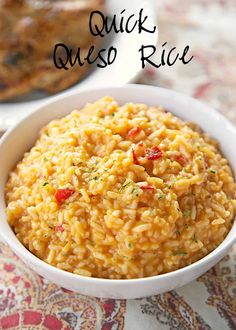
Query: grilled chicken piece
[[29, 30]]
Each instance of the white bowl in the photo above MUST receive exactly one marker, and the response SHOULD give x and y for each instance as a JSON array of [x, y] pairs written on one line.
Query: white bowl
[[21, 137]]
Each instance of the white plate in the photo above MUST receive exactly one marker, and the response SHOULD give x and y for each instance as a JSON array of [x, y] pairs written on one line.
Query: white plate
[[125, 69]]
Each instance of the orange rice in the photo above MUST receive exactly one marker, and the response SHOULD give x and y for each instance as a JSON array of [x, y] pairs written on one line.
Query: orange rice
[[121, 192]]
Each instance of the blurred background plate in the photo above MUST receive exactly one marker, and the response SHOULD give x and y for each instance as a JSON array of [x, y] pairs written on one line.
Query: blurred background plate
[[126, 67]]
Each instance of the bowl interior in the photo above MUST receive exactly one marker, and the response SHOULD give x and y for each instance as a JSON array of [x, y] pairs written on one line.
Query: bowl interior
[[21, 137]]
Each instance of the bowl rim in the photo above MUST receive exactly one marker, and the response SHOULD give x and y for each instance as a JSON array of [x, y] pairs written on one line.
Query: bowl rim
[[16, 245]]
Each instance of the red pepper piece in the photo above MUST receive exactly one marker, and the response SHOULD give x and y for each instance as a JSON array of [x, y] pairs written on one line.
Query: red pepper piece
[[60, 228], [140, 144], [135, 157], [147, 187], [134, 131], [182, 160], [61, 195], [153, 153]]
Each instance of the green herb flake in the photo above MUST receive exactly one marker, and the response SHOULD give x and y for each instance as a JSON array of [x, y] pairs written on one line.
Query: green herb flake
[[177, 232], [195, 238], [186, 213], [160, 196], [130, 245], [77, 164], [212, 171], [88, 170], [113, 114], [96, 178], [45, 184], [125, 185], [180, 253], [134, 191], [45, 159]]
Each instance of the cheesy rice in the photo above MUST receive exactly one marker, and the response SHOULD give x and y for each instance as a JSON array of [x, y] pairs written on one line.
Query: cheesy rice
[[121, 192]]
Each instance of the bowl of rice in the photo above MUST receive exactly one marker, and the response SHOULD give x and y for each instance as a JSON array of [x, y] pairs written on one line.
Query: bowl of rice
[[119, 192]]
